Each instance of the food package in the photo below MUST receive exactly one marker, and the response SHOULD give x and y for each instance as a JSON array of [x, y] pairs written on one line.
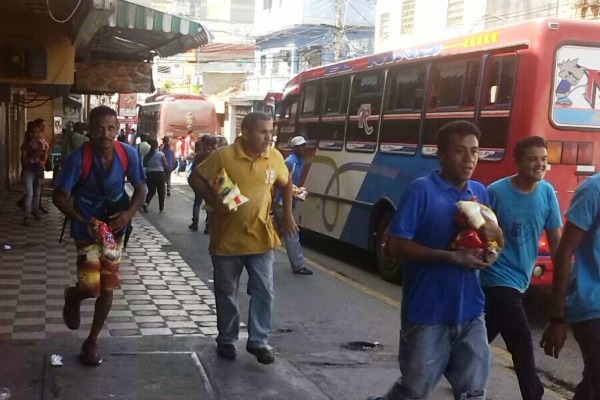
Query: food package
[[110, 247], [228, 192], [470, 218], [300, 193]]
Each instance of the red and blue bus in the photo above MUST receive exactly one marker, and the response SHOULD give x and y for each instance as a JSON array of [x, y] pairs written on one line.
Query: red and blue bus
[[370, 122]]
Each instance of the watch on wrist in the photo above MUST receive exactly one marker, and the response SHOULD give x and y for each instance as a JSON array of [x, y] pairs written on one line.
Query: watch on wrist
[[558, 320]]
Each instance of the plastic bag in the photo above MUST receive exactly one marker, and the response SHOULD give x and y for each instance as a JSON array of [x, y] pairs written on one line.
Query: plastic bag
[[470, 218], [228, 192], [110, 247]]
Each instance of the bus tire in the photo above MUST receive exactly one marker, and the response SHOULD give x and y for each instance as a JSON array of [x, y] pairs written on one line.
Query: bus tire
[[389, 269]]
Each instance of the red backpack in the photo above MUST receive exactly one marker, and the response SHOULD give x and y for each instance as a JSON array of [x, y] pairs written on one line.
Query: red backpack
[[88, 158]]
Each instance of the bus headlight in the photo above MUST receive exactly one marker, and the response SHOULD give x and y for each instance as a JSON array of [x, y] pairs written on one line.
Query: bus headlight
[[538, 271]]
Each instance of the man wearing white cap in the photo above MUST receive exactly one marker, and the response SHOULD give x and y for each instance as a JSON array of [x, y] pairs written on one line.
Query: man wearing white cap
[[294, 162]]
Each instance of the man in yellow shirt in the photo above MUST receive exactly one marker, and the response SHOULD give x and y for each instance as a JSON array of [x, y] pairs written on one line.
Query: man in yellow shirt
[[246, 237]]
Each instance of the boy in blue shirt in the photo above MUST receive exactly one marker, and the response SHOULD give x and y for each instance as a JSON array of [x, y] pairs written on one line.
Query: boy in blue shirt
[[507, 279], [443, 331], [576, 290], [101, 195]]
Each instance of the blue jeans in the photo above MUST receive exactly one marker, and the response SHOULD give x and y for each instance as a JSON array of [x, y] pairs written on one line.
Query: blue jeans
[[587, 334], [459, 352], [505, 315], [227, 272], [292, 242], [33, 188]]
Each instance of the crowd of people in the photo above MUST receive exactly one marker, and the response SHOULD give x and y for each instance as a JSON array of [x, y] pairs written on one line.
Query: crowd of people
[[454, 302]]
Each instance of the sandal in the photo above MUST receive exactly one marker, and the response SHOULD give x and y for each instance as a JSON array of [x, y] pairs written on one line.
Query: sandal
[[90, 355]]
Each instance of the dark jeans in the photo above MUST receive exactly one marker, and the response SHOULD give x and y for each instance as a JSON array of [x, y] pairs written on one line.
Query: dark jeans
[[156, 181], [587, 334], [196, 208], [505, 315]]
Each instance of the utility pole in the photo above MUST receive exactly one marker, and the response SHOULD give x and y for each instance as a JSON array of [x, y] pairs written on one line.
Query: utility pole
[[339, 46]]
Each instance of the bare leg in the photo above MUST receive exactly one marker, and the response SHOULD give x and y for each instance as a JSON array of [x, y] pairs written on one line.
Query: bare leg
[[101, 310]]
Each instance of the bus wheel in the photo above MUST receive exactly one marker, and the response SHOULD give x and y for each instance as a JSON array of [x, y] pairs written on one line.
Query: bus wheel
[[390, 269]]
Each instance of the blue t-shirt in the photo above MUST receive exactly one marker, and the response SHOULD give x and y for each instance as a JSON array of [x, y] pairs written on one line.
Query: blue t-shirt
[[583, 294], [436, 293], [94, 196], [522, 217], [294, 165]]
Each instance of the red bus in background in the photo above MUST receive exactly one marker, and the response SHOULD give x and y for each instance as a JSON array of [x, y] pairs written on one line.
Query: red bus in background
[[370, 122], [172, 115]]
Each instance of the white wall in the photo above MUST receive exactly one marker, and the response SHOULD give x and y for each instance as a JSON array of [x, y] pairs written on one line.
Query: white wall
[[429, 22], [291, 12]]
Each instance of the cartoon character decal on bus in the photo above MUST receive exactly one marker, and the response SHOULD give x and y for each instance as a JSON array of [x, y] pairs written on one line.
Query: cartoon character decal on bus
[[576, 95], [571, 73], [364, 112]]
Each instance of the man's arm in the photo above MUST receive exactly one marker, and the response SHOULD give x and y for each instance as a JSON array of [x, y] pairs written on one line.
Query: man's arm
[[410, 250], [121, 219], [61, 200], [553, 237], [555, 335], [204, 189], [288, 224]]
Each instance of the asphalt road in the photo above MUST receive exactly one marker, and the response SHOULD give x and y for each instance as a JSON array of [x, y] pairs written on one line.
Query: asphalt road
[[315, 316]]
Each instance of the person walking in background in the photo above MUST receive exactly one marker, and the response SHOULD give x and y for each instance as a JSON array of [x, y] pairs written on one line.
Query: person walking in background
[[44, 158], [576, 287], [143, 146], [32, 151], [100, 195], [294, 163], [155, 164], [442, 323], [206, 145], [246, 237], [505, 281], [73, 140], [179, 155], [188, 145], [170, 156]]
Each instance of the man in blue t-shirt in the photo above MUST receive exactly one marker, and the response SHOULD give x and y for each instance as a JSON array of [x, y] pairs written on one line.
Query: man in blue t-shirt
[[101, 195], [294, 162], [507, 279], [576, 290], [443, 331]]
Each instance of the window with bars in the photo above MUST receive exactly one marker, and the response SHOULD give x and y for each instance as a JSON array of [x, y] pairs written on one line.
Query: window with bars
[[456, 10], [408, 16], [384, 26]]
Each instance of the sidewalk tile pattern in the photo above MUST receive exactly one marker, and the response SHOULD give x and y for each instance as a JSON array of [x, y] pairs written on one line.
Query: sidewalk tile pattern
[[159, 292]]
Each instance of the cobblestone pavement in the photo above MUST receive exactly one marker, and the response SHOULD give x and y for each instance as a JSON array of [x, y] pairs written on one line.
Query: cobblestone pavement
[[159, 293]]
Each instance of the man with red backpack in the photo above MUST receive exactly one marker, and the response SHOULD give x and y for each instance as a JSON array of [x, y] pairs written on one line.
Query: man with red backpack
[[94, 177]]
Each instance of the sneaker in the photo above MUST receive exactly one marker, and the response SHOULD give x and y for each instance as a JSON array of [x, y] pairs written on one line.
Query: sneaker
[[145, 208], [193, 227], [90, 355], [71, 315], [302, 271], [207, 230], [168, 192], [226, 351], [263, 355]]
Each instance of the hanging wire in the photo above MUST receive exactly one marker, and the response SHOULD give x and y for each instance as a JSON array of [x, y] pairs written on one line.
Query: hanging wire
[[64, 20]]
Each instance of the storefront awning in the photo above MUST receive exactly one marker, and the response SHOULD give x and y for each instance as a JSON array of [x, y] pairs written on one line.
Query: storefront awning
[[137, 33]]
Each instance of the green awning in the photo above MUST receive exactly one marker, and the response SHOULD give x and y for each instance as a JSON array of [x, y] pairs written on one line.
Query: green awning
[[138, 33]]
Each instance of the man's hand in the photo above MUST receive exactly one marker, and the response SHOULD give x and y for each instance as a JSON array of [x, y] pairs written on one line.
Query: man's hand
[[553, 339], [120, 220], [288, 225], [468, 258]]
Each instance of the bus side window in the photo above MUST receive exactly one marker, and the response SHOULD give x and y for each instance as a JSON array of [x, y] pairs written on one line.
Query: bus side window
[[364, 110], [402, 113], [333, 118], [500, 82], [447, 80], [308, 123]]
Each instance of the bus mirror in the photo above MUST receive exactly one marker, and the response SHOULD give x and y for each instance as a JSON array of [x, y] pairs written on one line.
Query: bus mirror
[[493, 91]]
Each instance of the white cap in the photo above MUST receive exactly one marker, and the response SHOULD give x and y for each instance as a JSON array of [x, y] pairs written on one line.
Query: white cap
[[297, 141]]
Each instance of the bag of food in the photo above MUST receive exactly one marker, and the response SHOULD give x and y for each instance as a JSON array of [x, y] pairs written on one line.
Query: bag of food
[[228, 192], [300, 193], [110, 247], [470, 218]]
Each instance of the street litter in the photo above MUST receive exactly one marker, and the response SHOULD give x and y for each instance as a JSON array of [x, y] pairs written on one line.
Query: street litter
[[7, 246], [56, 360]]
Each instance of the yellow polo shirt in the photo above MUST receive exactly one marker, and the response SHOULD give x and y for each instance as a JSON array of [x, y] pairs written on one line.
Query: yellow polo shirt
[[248, 230]]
